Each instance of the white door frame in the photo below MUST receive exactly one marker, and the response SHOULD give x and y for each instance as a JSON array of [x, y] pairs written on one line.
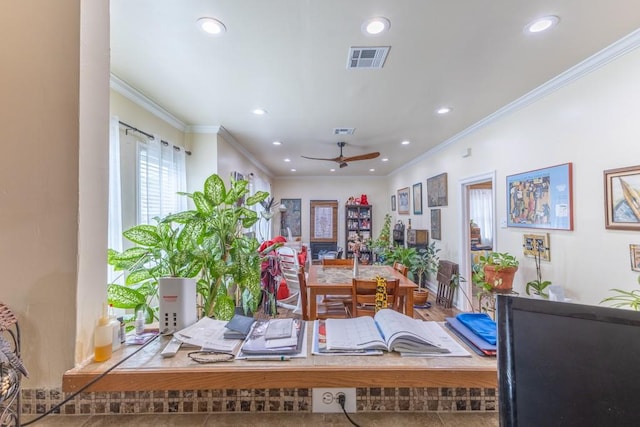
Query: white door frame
[[464, 219]]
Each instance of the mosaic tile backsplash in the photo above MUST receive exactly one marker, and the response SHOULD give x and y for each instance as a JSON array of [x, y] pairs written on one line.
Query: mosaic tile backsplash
[[38, 401]]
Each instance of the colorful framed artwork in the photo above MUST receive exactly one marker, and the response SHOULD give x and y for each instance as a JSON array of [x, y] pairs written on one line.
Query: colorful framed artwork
[[403, 201], [437, 190], [436, 224], [634, 251], [622, 198], [393, 202], [537, 244], [541, 198], [417, 199]]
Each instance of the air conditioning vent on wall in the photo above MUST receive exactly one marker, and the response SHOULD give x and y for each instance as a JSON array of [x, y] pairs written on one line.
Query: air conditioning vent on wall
[[367, 57], [343, 131]]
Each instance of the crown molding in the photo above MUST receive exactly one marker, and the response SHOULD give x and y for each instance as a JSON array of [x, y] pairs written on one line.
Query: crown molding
[[137, 97], [614, 51], [231, 140]]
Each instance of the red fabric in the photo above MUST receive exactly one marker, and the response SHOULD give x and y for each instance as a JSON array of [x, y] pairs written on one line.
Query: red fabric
[[283, 290]]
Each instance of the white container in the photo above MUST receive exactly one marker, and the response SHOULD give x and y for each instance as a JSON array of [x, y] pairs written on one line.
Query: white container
[[102, 340], [140, 323]]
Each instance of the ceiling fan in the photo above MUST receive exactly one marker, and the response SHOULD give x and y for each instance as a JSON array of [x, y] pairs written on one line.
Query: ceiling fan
[[344, 160]]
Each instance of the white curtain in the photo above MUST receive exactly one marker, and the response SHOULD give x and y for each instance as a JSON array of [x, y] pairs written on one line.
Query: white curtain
[[115, 209], [481, 212], [161, 175]]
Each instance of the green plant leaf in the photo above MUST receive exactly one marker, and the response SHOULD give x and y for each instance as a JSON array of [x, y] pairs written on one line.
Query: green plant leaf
[[144, 235], [256, 198], [124, 297], [214, 190], [224, 307], [203, 205], [138, 276]]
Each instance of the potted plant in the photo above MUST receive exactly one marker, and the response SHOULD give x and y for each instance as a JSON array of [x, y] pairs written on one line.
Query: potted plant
[[495, 271], [381, 244], [624, 298], [538, 286], [423, 263], [161, 251], [230, 273]]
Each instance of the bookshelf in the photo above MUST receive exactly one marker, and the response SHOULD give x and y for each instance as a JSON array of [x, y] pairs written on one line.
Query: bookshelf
[[358, 222]]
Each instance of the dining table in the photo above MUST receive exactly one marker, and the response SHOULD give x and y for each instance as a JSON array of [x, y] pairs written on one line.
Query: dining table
[[337, 280]]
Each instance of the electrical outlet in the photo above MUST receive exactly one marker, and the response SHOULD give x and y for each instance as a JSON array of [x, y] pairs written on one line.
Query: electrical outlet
[[326, 399]]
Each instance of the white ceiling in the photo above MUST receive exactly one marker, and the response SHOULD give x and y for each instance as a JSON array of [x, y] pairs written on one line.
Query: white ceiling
[[290, 57]]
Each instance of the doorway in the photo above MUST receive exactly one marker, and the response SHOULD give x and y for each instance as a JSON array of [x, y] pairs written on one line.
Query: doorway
[[478, 224]]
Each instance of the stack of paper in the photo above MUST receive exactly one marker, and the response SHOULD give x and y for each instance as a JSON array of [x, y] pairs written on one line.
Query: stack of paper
[[477, 330], [208, 334], [275, 337]]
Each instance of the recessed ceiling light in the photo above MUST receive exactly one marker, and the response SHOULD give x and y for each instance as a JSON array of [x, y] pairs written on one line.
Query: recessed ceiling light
[[287, 160], [259, 111], [384, 159], [332, 170], [542, 24], [293, 170], [443, 110], [405, 142], [375, 26], [372, 170], [277, 143], [212, 26]]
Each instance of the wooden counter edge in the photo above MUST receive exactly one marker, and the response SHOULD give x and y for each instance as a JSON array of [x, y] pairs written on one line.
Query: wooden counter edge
[[268, 376]]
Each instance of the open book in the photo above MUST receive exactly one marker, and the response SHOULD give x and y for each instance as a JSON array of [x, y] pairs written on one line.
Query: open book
[[391, 331]]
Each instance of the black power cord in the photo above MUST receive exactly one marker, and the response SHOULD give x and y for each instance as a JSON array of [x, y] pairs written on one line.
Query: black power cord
[[341, 400], [93, 381]]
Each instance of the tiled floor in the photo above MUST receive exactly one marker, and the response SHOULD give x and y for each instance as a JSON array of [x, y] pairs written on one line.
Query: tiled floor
[[367, 419]]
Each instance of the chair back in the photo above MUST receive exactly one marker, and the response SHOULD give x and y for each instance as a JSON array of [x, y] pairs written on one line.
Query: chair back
[[401, 268], [338, 262], [304, 304], [363, 296], [288, 257]]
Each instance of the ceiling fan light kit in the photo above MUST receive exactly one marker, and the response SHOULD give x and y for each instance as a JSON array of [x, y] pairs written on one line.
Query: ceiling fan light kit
[[342, 160]]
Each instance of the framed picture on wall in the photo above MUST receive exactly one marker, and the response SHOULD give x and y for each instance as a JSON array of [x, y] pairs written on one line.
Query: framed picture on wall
[[417, 199], [437, 190], [436, 228], [622, 198], [634, 251], [291, 218], [541, 198], [393, 202], [403, 201]]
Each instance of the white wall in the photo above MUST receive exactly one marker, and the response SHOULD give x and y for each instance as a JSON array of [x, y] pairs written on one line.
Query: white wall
[[592, 122]]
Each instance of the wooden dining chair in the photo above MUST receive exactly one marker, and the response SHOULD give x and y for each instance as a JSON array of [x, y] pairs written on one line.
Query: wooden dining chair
[[363, 295], [337, 262], [401, 268], [325, 310]]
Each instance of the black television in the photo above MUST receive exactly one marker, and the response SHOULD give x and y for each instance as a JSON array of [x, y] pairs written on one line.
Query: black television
[[566, 364]]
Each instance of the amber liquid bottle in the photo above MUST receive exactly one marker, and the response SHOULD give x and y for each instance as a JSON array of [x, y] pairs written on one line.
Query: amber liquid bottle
[[103, 340]]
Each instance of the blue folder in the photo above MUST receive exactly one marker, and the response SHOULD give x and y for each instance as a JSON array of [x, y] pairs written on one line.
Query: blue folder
[[471, 339], [481, 324]]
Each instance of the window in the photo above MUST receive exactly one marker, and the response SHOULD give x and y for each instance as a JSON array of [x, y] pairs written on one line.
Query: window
[[160, 176]]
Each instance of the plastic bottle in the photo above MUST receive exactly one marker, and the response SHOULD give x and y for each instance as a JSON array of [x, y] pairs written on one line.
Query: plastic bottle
[[102, 338], [140, 323], [115, 329]]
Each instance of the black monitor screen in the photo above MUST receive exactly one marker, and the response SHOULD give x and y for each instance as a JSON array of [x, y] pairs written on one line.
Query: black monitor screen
[[564, 364]]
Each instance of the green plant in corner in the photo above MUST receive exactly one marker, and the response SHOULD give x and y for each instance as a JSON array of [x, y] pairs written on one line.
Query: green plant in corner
[[624, 298], [160, 250], [230, 274], [381, 244], [425, 262]]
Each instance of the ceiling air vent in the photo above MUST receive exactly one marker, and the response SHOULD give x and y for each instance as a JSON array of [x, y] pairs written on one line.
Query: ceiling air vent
[[343, 131], [367, 57]]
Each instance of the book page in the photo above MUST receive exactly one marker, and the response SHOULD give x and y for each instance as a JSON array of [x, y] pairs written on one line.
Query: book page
[[353, 334], [442, 338], [402, 333]]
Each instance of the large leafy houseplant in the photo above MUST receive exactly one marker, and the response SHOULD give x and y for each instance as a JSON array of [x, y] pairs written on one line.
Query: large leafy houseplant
[[161, 250], [230, 261], [495, 271], [424, 262]]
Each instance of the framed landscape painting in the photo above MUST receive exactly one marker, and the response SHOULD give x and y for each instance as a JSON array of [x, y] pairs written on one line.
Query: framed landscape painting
[[417, 199], [541, 198]]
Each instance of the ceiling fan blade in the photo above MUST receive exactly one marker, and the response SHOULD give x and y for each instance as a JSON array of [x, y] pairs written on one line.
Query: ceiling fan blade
[[335, 159], [361, 157]]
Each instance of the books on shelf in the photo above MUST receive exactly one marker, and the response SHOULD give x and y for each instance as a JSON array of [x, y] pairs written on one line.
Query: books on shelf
[[390, 330]]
